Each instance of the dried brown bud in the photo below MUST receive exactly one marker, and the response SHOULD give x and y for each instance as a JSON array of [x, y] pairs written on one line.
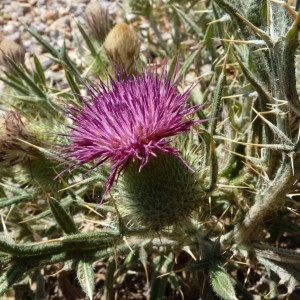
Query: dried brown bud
[[12, 49], [97, 20], [122, 46], [12, 132]]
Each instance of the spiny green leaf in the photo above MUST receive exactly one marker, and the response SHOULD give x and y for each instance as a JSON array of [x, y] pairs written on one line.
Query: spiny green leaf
[[221, 282], [288, 273], [186, 19], [87, 40], [14, 200], [73, 85], [14, 189], [291, 44], [70, 64], [85, 275], [109, 281], [29, 81], [217, 102], [64, 220], [39, 70], [255, 82], [143, 258], [92, 48], [188, 62], [209, 40], [16, 86], [163, 265], [43, 42], [198, 265], [10, 276]]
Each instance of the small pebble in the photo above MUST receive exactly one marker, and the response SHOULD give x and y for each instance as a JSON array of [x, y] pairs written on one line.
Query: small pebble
[[55, 20]]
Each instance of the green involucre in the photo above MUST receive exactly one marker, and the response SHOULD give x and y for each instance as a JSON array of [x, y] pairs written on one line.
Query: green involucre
[[163, 193]]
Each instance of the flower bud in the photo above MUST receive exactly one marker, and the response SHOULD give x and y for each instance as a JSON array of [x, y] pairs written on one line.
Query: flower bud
[[13, 50], [164, 192], [97, 20], [13, 131], [21, 145], [122, 46]]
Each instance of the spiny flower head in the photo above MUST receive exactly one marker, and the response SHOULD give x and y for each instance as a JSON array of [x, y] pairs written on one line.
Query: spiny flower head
[[13, 131], [129, 121]]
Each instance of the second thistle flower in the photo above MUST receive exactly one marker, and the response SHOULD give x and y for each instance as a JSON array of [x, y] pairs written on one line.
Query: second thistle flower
[[131, 125]]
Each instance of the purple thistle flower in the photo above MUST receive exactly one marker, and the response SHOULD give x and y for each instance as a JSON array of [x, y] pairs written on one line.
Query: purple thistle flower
[[131, 120]]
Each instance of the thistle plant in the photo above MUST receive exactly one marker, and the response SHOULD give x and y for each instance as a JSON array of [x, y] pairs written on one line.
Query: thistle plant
[[177, 181], [130, 125]]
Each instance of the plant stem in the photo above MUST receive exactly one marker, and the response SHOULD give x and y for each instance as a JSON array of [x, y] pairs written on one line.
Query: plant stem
[[267, 202]]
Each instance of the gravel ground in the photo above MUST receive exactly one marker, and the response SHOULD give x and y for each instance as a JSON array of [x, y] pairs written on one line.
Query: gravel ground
[[55, 20]]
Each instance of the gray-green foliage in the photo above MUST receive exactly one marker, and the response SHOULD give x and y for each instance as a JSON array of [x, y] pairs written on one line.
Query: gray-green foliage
[[247, 56]]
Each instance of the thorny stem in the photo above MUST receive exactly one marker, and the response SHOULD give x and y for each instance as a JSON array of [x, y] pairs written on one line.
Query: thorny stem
[[277, 254], [21, 265], [267, 202], [79, 241]]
